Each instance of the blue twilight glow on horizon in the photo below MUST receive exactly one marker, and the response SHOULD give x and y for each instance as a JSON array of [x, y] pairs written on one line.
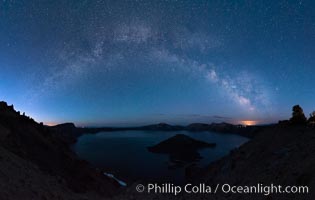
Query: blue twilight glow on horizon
[[121, 63]]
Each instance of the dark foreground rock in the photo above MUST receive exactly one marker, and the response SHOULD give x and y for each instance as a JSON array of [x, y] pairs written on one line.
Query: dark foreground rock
[[36, 164], [279, 155]]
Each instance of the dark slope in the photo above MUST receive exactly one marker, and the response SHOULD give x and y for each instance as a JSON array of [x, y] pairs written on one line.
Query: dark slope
[[283, 155], [23, 140]]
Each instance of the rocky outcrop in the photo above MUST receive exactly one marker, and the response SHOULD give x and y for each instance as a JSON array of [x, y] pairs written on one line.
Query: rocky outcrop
[[67, 132]]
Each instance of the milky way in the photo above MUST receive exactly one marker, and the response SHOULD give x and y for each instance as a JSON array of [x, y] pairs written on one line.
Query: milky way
[[140, 62]]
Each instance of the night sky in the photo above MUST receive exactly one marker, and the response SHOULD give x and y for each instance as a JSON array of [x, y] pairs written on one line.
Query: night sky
[[122, 63]]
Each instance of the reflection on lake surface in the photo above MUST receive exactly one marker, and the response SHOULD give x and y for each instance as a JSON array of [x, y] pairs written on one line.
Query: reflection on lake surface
[[125, 154]]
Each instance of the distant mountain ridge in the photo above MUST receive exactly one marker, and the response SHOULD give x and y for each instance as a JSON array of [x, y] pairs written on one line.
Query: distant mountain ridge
[[70, 133]]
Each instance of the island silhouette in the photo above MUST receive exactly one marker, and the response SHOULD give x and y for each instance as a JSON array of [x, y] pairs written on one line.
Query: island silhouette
[[181, 149]]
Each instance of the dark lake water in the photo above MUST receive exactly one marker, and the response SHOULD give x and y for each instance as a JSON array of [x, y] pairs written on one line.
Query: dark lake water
[[125, 154]]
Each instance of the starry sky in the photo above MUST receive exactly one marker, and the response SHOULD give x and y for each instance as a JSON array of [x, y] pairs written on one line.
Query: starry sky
[[122, 63]]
